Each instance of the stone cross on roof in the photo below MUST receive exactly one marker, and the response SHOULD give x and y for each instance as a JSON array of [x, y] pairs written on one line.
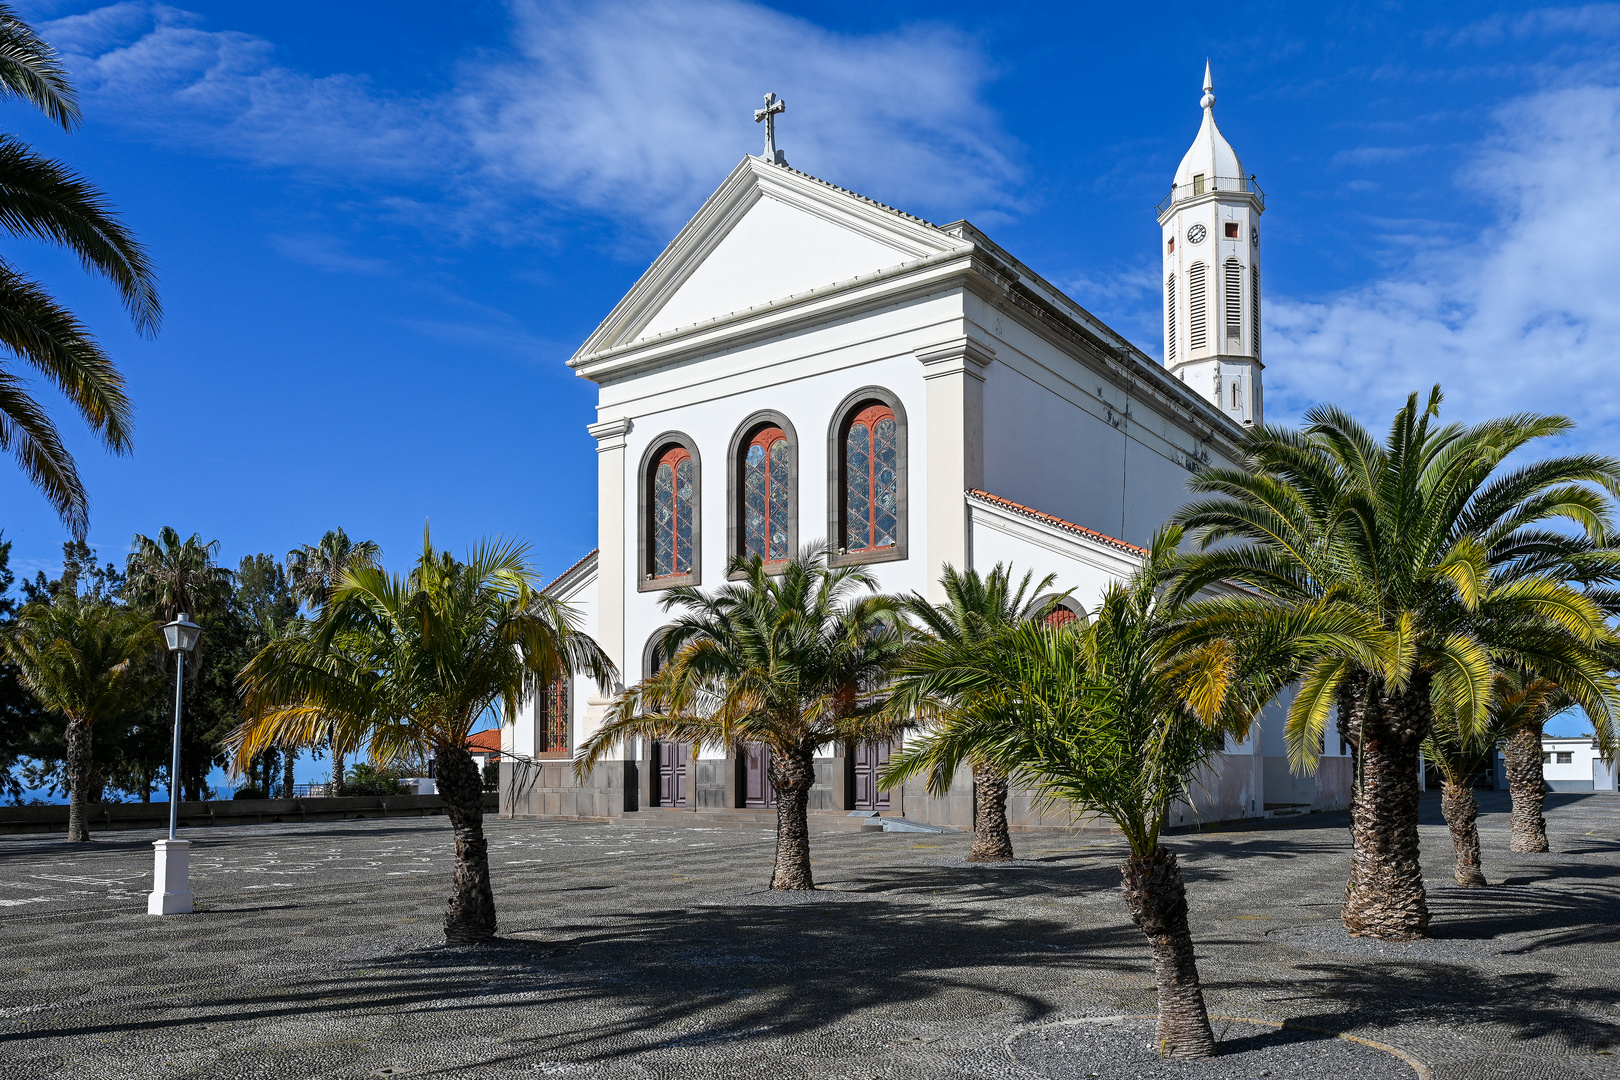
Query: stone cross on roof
[[773, 105]]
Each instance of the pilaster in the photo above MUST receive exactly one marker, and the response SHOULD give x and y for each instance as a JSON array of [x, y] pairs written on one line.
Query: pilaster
[[613, 541], [953, 374]]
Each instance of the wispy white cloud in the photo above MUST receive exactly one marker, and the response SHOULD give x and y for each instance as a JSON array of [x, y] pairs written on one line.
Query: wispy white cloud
[[1523, 315], [632, 109], [326, 253]]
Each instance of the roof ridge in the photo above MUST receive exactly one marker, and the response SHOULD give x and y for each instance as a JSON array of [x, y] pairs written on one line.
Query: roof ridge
[[1053, 519], [854, 194], [587, 557]]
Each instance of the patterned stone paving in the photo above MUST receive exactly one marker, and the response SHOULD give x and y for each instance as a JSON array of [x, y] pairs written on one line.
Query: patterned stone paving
[[646, 952]]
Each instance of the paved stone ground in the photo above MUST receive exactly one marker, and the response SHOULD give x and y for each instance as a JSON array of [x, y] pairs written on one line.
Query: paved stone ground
[[645, 952]]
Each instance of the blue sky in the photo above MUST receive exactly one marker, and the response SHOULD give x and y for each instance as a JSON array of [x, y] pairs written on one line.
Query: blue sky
[[383, 228]]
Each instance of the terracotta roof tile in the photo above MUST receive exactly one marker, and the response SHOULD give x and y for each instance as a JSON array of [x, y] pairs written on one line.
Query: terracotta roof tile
[[1066, 526], [483, 742]]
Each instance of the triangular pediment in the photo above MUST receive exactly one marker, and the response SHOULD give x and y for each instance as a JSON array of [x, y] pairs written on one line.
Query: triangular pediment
[[768, 234]]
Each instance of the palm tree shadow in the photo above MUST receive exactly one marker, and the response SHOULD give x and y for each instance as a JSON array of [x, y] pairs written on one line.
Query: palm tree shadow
[[689, 976]]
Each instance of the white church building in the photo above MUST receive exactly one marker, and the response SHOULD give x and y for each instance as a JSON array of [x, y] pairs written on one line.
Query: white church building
[[802, 363]]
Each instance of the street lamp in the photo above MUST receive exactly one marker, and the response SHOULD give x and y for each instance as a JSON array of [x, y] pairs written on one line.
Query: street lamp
[[171, 886]]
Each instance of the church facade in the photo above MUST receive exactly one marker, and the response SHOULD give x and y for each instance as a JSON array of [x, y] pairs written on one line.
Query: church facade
[[802, 364]]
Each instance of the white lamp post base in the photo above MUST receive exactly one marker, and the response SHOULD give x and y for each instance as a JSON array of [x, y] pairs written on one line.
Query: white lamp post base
[[171, 883]]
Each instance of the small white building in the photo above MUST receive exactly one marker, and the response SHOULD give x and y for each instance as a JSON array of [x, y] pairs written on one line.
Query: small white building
[[1573, 763]]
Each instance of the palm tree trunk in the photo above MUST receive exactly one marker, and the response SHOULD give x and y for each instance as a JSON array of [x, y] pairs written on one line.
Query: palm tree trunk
[[1384, 898], [469, 918], [1157, 898], [793, 774], [78, 773], [291, 758], [991, 842], [1528, 787], [1458, 805], [336, 786]]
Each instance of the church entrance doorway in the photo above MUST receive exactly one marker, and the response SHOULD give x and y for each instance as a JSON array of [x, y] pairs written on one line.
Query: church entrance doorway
[[868, 761], [758, 794], [673, 759]]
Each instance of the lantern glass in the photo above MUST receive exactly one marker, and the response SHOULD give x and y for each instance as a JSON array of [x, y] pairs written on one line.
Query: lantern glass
[[182, 634]]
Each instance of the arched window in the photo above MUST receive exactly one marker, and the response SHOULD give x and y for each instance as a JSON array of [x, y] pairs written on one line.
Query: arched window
[[1197, 307], [1234, 302], [672, 513], [1170, 314], [871, 481], [1068, 610], [669, 518], [764, 479], [1237, 398]]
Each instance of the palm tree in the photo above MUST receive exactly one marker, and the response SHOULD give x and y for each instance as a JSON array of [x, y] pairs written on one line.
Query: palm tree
[[1523, 705], [1112, 717], [314, 571], [41, 199], [1459, 753], [791, 658], [83, 659], [171, 576], [976, 610], [1444, 550], [409, 666]]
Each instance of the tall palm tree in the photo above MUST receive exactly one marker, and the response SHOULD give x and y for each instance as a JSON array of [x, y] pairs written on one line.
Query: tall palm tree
[[1112, 717], [1447, 552], [975, 611], [171, 576], [1523, 705], [792, 658], [84, 660], [314, 571], [41, 199], [409, 665]]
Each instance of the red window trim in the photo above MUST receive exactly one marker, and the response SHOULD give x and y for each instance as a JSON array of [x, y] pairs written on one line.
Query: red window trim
[[671, 457], [764, 438], [871, 415]]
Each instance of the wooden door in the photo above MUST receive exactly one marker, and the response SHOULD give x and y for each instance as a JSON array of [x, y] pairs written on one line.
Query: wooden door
[[869, 759], [673, 759], [757, 790]]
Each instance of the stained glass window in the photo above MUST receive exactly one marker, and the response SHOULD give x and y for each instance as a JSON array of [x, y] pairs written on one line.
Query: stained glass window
[[1060, 616], [871, 480], [673, 495], [554, 718], [767, 485]]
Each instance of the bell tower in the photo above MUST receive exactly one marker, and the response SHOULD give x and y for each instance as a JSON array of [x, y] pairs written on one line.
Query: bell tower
[[1211, 246]]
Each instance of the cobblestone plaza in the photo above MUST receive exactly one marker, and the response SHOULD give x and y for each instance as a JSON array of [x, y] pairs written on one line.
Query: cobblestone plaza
[[649, 951]]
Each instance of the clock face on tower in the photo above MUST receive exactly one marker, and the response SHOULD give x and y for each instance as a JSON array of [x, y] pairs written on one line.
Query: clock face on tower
[[1196, 234], [1254, 237]]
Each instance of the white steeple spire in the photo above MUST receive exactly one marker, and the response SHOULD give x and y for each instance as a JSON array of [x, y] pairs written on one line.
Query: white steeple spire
[[1211, 236]]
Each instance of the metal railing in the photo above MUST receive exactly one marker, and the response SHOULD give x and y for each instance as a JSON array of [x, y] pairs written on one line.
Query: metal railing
[[1210, 185]]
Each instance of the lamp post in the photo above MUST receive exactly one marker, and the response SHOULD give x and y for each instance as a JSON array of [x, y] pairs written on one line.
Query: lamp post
[[171, 886]]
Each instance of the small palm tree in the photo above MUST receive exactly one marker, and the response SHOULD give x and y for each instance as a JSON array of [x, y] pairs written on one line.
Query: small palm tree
[[408, 665], [41, 199], [1458, 753], [1521, 708], [975, 611], [792, 658], [314, 571], [1112, 717], [1446, 553], [87, 661]]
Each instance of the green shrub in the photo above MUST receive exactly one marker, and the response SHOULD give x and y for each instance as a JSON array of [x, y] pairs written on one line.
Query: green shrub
[[247, 791], [492, 775], [365, 780]]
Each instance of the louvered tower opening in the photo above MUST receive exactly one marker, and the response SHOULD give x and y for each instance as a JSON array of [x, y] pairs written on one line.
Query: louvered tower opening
[[1197, 307], [1234, 305], [1254, 304], [1170, 310]]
